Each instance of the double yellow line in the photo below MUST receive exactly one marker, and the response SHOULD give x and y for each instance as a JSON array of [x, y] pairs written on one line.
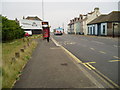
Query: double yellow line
[[87, 64]]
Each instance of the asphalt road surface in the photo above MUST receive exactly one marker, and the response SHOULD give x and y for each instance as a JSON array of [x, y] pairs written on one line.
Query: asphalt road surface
[[100, 52]]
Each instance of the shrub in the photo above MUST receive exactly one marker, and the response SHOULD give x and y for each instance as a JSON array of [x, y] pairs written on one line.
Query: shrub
[[11, 30]]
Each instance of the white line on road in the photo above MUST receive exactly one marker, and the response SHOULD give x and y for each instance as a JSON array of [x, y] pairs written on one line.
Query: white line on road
[[102, 52], [84, 39], [92, 48], [55, 42], [116, 57], [98, 42], [116, 46]]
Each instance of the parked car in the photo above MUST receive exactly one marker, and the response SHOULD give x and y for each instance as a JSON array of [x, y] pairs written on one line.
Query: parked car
[[26, 34]]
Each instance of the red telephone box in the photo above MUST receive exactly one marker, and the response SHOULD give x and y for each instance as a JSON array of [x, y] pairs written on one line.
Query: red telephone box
[[46, 29]]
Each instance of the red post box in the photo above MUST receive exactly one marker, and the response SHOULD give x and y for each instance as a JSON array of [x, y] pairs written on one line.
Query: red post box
[[46, 30]]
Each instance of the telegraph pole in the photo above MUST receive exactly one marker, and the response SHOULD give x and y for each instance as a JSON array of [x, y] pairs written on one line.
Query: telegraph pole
[[63, 27], [43, 10]]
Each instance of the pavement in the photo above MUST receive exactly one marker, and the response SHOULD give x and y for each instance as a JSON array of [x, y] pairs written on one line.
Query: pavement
[[51, 67]]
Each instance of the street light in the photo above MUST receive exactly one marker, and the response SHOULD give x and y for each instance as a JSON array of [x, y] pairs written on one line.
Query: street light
[[114, 24], [43, 10]]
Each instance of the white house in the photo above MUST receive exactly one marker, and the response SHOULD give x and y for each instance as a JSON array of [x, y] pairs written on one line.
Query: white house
[[33, 24], [89, 17]]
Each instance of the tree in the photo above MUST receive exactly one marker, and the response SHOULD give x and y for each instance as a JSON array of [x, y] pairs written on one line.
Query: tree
[[11, 30]]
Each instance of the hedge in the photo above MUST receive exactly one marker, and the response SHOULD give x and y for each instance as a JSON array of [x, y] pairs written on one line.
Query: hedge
[[11, 30]]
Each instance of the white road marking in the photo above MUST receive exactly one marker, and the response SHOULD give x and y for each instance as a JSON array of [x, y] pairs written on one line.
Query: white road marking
[[54, 48], [116, 46], [92, 48], [84, 39], [98, 42], [116, 57], [102, 52], [56, 43]]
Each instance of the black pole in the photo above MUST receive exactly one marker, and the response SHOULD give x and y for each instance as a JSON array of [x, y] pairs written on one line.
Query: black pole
[[113, 31], [43, 10]]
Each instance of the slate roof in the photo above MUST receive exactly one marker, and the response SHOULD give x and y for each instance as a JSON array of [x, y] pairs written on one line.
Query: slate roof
[[112, 17], [33, 18]]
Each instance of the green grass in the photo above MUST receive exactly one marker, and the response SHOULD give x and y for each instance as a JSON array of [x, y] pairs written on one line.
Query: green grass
[[12, 68]]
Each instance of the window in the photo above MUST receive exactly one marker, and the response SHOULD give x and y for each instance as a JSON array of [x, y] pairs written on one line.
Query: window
[[103, 29], [88, 30], [93, 30]]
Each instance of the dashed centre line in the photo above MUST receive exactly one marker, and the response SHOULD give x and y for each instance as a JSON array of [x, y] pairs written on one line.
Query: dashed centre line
[[102, 52], [92, 48], [116, 57]]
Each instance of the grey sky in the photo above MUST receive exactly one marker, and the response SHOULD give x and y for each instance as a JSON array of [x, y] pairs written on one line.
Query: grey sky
[[56, 13]]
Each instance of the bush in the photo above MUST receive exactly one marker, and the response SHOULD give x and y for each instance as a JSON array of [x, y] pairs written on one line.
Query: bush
[[11, 30]]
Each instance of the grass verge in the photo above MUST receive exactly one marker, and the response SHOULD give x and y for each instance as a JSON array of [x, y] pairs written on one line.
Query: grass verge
[[11, 65]]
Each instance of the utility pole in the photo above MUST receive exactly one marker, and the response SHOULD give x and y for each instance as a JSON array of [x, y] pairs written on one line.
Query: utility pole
[[43, 10], [63, 27]]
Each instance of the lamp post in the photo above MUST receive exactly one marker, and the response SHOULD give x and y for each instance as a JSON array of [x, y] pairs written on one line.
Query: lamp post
[[114, 24], [43, 10]]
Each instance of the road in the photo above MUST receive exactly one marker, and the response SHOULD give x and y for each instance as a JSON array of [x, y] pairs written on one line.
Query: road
[[100, 52]]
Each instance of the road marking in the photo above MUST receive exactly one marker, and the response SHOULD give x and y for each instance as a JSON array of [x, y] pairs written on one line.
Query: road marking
[[54, 48], [91, 66], [115, 46], [98, 42], [79, 61], [106, 78], [90, 62], [114, 61], [56, 43], [102, 52], [86, 66], [92, 48], [84, 39], [116, 57]]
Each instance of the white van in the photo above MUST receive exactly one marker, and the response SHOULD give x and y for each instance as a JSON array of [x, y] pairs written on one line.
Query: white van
[[29, 32]]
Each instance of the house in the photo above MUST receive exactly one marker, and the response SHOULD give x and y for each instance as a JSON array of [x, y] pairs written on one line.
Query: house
[[76, 26], [31, 24], [88, 18], [79, 25], [71, 27], [105, 25]]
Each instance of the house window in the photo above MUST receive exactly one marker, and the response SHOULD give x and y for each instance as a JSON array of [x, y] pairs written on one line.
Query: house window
[[103, 29], [93, 30], [88, 30]]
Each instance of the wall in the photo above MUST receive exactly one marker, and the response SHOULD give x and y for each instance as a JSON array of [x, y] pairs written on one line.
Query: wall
[[77, 27], [30, 24]]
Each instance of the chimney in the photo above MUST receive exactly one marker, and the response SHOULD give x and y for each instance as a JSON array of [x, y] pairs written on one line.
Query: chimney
[[96, 9], [81, 17], [23, 17]]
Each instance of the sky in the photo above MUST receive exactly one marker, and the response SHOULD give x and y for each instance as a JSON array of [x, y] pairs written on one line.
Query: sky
[[58, 13]]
